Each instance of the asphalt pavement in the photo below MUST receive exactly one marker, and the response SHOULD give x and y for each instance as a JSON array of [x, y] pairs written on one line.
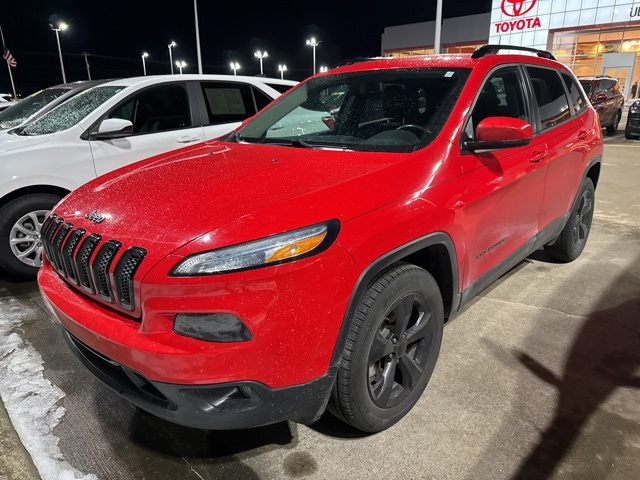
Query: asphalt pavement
[[538, 378]]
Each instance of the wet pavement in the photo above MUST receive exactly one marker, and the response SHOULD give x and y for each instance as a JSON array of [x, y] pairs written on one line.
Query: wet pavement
[[539, 377]]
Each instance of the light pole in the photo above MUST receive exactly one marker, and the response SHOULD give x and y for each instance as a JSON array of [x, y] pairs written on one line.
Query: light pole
[[436, 42], [260, 55], [61, 26], [282, 69], [144, 65], [313, 44], [195, 12], [235, 66], [170, 46], [324, 69], [181, 64]]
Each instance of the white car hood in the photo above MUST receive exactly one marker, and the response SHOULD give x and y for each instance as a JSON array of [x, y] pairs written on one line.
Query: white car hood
[[10, 142]]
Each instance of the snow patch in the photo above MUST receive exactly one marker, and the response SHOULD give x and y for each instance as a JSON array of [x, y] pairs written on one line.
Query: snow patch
[[31, 400]]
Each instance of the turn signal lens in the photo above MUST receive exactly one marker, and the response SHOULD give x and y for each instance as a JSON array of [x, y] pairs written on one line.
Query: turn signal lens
[[296, 249]]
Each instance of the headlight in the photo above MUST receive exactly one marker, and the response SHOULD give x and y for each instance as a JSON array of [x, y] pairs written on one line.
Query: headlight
[[273, 250]]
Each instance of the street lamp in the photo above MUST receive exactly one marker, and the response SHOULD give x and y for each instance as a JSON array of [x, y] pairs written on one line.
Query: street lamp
[[181, 64], [144, 66], [313, 43], [282, 69], [324, 69], [170, 46], [260, 55], [235, 66], [61, 26]]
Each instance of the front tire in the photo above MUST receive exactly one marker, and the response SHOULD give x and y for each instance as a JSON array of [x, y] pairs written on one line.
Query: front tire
[[20, 243], [391, 349], [573, 238]]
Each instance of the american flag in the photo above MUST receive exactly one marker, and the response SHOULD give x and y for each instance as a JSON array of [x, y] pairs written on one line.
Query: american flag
[[9, 58]]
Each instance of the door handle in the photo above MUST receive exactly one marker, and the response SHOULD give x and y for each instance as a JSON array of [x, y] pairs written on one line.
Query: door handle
[[538, 156], [582, 134], [187, 139]]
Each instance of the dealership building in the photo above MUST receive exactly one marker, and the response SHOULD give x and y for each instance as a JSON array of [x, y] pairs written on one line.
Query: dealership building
[[592, 37]]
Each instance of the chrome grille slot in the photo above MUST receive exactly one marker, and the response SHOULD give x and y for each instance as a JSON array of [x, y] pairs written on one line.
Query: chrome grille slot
[[43, 233], [48, 239], [67, 254], [100, 267], [82, 261], [56, 247], [123, 276]]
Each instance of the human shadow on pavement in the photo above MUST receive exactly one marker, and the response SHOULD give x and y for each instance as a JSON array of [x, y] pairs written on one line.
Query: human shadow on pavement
[[604, 356]]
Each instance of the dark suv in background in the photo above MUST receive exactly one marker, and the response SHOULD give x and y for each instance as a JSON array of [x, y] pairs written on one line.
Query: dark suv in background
[[607, 98], [632, 130]]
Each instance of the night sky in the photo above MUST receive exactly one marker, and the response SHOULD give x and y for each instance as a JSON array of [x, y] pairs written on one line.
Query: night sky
[[116, 33]]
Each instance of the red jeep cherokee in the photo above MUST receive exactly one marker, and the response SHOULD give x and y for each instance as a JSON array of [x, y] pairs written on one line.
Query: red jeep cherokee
[[311, 258]]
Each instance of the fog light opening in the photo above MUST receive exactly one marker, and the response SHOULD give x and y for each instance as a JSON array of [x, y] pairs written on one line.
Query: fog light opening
[[211, 327]]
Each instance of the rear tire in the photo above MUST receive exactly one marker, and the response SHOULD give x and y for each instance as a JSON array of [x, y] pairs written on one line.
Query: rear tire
[[21, 219], [573, 237], [614, 127], [391, 350]]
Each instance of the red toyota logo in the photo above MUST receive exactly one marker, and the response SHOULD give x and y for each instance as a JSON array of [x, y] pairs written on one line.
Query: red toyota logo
[[516, 8]]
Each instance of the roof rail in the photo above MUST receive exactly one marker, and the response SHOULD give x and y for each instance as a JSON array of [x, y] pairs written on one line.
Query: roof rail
[[491, 49], [353, 61]]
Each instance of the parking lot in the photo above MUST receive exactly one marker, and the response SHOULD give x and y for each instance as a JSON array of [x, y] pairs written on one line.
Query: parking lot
[[539, 377]]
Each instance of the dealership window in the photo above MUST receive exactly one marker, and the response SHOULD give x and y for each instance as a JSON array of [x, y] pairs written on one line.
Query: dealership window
[[582, 51]]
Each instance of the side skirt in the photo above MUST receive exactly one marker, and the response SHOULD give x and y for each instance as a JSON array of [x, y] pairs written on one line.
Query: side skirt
[[546, 235]]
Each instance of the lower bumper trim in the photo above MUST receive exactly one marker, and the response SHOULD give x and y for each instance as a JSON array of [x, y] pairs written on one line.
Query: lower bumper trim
[[224, 406]]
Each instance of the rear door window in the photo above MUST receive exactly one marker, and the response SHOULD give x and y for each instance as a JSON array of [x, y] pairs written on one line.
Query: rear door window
[[549, 95], [227, 102]]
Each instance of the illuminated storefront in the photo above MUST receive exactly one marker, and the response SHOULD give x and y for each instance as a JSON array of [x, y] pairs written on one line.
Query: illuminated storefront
[[592, 37]]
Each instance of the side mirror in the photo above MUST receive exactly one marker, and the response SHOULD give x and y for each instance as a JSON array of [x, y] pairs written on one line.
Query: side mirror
[[494, 133], [111, 128]]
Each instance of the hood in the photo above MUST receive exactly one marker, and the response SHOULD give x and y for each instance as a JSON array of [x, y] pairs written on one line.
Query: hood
[[10, 141], [167, 201]]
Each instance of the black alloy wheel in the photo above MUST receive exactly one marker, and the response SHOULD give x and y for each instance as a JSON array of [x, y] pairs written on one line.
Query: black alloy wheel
[[573, 237], [391, 350]]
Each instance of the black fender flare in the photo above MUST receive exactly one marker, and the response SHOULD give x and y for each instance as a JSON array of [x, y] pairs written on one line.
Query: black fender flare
[[376, 267]]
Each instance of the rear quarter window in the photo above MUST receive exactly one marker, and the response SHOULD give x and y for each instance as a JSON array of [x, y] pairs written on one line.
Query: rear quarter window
[[575, 95]]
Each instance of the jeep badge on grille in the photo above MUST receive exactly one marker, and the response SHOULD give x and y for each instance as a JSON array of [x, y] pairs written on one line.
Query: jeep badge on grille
[[95, 217]]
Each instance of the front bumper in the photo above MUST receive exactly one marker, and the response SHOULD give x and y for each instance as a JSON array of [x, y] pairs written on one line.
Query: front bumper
[[213, 407], [294, 312], [633, 123]]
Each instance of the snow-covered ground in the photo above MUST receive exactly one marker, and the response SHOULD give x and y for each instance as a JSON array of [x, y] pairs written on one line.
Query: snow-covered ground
[[31, 400]]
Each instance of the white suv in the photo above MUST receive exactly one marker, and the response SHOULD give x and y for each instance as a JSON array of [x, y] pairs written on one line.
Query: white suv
[[104, 128]]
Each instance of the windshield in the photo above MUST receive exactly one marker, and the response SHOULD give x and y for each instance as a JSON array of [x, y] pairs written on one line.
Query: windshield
[[18, 113], [386, 111], [588, 86], [72, 111]]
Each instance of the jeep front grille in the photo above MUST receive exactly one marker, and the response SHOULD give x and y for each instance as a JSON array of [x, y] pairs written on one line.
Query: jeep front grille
[[73, 256]]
